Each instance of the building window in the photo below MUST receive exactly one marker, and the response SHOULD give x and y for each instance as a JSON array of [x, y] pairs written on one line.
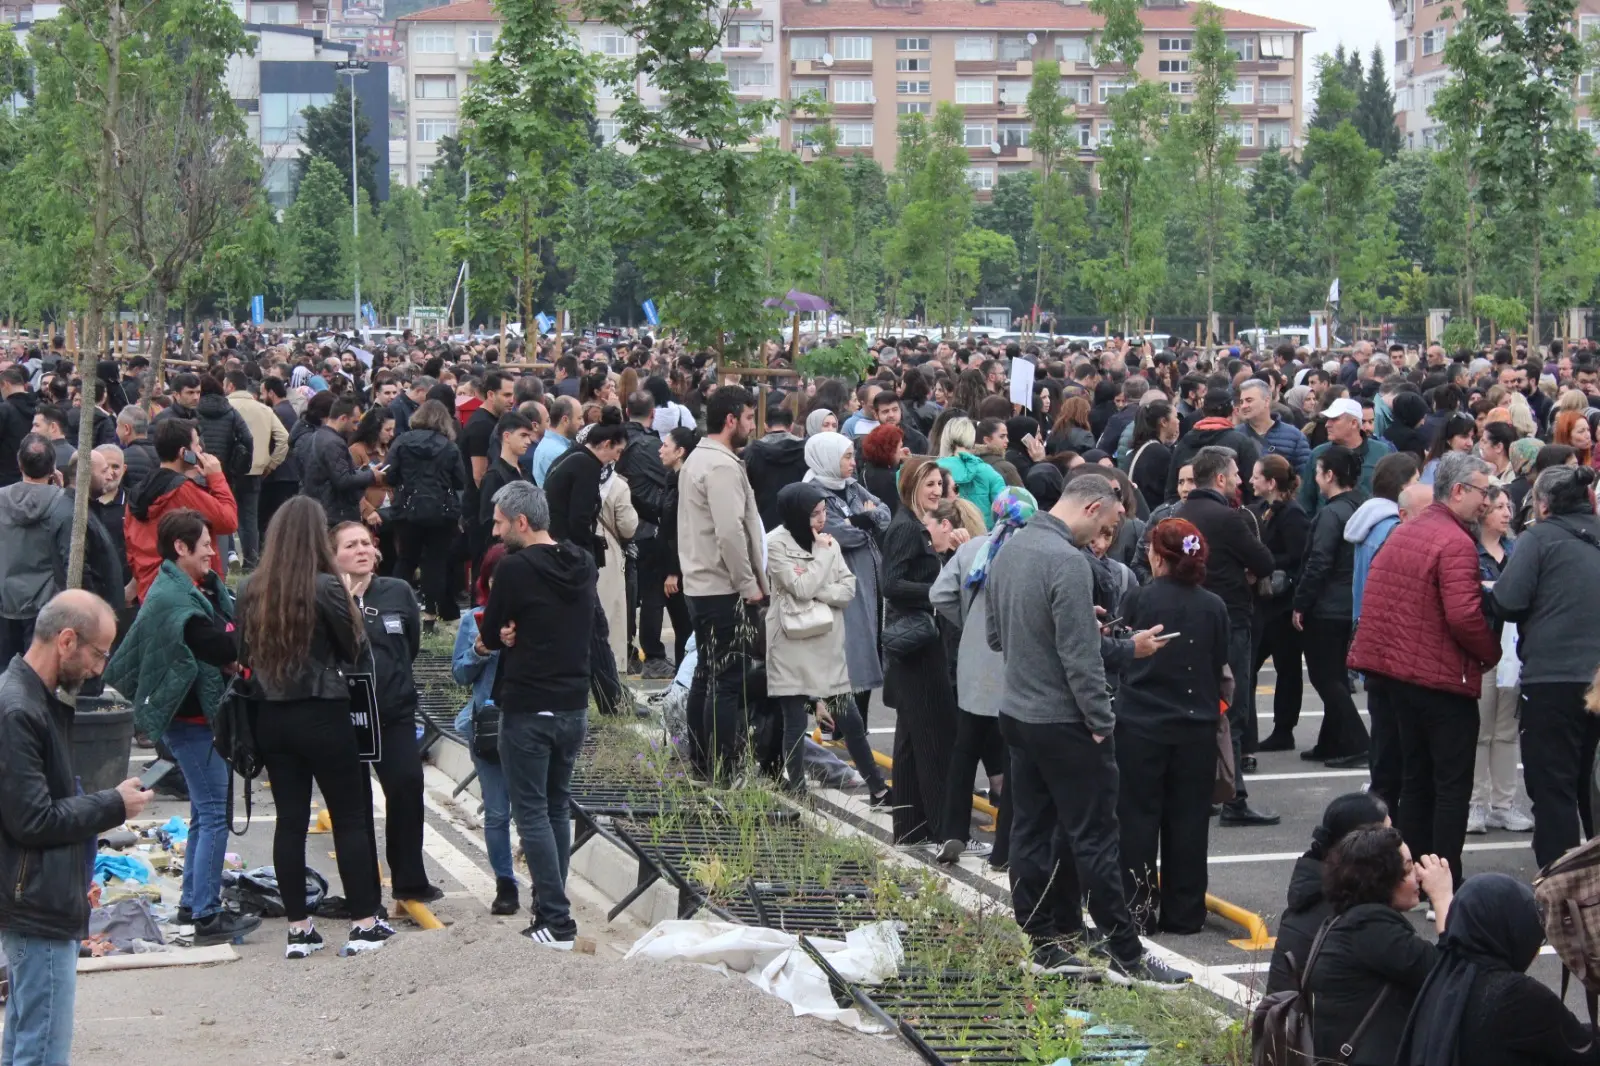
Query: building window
[[1172, 66], [610, 130], [1433, 41], [807, 47], [1014, 90], [1079, 91], [1277, 46], [852, 48], [276, 14], [282, 118], [747, 34], [1586, 83], [1586, 127], [1588, 26], [1072, 49], [975, 48], [430, 130], [1180, 88], [1430, 89], [1402, 100], [1275, 134], [1085, 134], [1016, 133], [1110, 90], [1279, 91], [854, 134], [852, 91], [1430, 138], [911, 44], [745, 75], [1174, 44], [799, 87], [610, 42], [1402, 50], [1107, 130], [1243, 132], [481, 42], [433, 41], [1244, 92], [435, 87], [803, 135], [977, 136], [278, 179], [1243, 48], [974, 92], [913, 66], [980, 177], [904, 108], [1015, 48], [913, 88]]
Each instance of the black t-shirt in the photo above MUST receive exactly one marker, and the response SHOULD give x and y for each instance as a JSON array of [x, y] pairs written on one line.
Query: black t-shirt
[[476, 440]]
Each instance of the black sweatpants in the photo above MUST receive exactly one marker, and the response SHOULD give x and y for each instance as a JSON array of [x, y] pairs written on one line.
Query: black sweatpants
[[1064, 834], [924, 741], [1280, 640], [400, 774], [1558, 739], [1438, 746], [433, 547], [1164, 808], [654, 562], [1326, 643], [313, 741]]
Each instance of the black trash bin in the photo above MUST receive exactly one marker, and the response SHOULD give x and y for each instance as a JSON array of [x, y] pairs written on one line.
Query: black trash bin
[[102, 740]]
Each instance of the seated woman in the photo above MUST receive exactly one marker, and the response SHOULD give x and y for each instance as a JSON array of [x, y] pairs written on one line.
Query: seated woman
[[1479, 1007], [1308, 908], [1372, 963]]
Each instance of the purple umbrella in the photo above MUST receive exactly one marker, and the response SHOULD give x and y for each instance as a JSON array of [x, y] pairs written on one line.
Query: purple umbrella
[[796, 301]]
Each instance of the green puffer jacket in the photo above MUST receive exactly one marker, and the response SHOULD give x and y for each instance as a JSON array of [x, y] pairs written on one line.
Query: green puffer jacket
[[153, 667]]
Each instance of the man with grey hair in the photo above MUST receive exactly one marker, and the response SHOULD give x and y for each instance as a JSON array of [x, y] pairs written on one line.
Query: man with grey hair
[[1424, 644], [138, 450], [1270, 433], [411, 397], [1057, 721], [47, 830], [540, 616]]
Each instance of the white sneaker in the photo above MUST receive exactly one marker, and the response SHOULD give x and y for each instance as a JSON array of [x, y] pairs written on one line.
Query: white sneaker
[[1510, 819], [1477, 819]]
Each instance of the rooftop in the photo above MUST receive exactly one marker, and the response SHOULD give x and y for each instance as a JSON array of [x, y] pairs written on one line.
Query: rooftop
[[1019, 15], [460, 11]]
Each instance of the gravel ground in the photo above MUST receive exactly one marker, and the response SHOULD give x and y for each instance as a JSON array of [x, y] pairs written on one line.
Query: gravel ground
[[475, 994]]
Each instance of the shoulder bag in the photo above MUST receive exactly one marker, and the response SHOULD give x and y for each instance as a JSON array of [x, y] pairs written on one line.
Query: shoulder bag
[[907, 632]]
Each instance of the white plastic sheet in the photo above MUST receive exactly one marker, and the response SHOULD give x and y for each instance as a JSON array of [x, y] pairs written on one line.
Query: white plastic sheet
[[774, 962]]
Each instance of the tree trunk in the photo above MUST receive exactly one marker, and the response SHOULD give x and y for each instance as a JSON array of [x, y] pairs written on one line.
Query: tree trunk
[[99, 290], [159, 301], [1534, 330]]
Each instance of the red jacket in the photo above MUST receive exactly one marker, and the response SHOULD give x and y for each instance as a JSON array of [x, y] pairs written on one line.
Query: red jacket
[[166, 490], [1422, 612]]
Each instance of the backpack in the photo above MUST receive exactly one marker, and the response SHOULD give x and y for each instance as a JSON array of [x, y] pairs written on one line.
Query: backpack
[[233, 734], [1568, 894], [1281, 1024]]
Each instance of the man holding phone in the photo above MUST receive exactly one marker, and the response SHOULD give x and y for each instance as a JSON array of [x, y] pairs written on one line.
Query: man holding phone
[[188, 477], [47, 830]]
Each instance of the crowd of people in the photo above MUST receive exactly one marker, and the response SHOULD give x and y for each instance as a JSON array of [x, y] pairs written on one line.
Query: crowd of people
[[1077, 592]]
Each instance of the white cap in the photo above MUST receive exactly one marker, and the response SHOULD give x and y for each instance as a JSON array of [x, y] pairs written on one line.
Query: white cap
[[1343, 406]]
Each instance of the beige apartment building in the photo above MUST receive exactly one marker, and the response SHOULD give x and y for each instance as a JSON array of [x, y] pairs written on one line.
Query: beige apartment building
[[1421, 29], [876, 60]]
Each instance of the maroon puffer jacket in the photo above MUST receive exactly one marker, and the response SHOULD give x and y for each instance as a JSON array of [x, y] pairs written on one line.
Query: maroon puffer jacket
[[1422, 612]]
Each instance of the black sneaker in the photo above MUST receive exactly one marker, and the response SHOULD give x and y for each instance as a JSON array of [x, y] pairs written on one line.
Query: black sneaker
[[882, 801], [546, 937], [505, 896], [369, 939], [1050, 957], [1148, 971], [302, 944], [1277, 742], [1238, 812], [224, 927], [657, 670], [425, 894], [185, 916]]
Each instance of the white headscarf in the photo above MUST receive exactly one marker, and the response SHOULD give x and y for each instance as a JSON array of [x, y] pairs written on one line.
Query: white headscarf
[[823, 454]]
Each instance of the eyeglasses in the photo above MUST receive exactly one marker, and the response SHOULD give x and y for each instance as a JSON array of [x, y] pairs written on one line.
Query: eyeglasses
[[1482, 489], [103, 653]]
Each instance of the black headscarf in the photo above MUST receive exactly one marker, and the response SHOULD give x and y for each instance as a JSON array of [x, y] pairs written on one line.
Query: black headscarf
[[1493, 926], [1044, 480], [795, 504], [1016, 452], [1354, 810]]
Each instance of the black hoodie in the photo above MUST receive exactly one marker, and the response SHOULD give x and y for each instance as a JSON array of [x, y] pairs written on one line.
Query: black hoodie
[[772, 463], [16, 422], [548, 590], [394, 634], [1306, 912]]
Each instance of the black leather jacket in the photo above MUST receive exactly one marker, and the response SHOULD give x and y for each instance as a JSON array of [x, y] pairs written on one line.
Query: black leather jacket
[[47, 830], [334, 648]]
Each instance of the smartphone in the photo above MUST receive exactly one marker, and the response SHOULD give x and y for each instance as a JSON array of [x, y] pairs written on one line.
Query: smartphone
[[1111, 622], [191, 457], [153, 773], [1162, 638]]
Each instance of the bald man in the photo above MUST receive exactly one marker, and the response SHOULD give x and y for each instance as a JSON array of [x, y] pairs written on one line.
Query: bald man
[[46, 828]]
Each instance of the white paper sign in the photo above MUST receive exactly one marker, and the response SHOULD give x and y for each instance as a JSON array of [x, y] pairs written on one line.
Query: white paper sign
[[1022, 382]]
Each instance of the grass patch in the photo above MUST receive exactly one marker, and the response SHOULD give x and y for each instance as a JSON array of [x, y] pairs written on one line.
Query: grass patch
[[1183, 1028]]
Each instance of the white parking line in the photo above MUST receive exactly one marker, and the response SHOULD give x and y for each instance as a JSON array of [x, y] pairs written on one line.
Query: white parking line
[[447, 855], [1287, 856]]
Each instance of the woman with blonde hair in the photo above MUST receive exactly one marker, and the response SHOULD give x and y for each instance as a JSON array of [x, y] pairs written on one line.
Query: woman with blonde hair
[[975, 480]]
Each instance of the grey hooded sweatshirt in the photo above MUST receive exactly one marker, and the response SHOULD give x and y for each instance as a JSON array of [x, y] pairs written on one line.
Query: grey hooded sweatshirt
[[36, 529]]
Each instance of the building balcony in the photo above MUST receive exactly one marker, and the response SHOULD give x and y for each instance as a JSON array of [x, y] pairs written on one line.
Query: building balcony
[[853, 110], [847, 66], [1263, 66], [977, 66], [742, 51]]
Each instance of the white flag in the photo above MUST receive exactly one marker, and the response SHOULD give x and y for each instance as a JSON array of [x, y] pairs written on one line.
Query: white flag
[[1333, 292]]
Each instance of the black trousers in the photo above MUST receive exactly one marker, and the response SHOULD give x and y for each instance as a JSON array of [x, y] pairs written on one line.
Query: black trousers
[[1164, 808], [400, 775], [1064, 834], [1279, 639], [924, 741], [1558, 739], [433, 548], [603, 679], [977, 737], [1326, 643], [274, 494], [314, 741], [1438, 744], [654, 601], [719, 714], [1242, 711], [1386, 759]]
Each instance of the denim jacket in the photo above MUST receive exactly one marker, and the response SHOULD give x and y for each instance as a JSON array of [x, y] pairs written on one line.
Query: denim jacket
[[470, 668]]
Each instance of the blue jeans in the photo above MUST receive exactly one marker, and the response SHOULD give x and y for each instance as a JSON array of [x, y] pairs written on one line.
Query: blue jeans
[[206, 776], [44, 984], [537, 753], [496, 804]]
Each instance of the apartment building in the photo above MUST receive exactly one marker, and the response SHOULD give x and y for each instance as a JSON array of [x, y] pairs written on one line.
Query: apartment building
[[1420, 31], [877, 60]]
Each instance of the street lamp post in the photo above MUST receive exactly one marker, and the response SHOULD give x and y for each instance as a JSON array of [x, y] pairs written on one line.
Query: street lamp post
[[353, 68]]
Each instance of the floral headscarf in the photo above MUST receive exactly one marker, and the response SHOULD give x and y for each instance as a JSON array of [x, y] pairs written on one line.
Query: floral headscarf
[[1012, 508]]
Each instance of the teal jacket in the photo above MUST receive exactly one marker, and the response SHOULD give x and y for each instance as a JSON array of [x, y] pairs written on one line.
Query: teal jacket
[[153, 667], [976, 482]]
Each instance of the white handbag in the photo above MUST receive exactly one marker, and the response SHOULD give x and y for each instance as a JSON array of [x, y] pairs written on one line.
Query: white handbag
[[802, 623]]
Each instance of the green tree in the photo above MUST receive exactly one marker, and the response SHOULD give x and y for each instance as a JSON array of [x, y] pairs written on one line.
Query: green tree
[[315, 235], [869, 228], [1408, 175], [1271, 231], [1374, 115], [1060, 217], [327, 136], [1337, 94], [823, 222], [989, 259], [591, 214], [1454, 206], [1010, 209], [928, 241], [1336, 201]]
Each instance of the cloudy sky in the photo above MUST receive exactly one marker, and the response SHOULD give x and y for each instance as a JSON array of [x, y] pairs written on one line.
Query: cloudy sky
[[1354, 23]]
